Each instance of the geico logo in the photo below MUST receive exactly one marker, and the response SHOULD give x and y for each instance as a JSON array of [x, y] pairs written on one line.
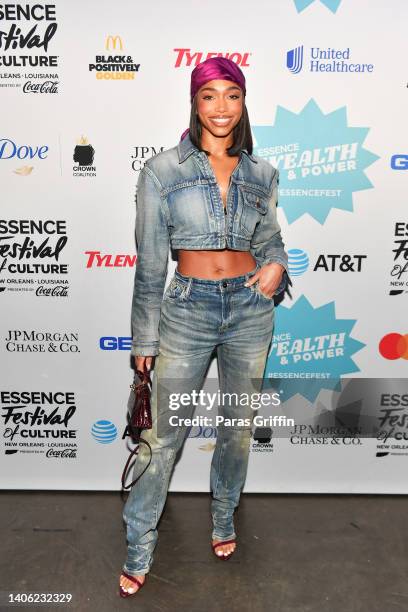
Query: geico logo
[[399, 162], [9, 149], [112, 41], [112, 343]]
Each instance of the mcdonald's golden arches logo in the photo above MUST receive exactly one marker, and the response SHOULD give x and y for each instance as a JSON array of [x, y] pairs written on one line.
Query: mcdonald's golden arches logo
[[114, 64], [112, 41]]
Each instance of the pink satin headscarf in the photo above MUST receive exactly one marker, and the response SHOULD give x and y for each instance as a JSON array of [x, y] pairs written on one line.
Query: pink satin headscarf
[[214, 68]]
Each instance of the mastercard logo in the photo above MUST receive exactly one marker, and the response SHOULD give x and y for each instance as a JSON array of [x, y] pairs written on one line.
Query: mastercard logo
[[394, 346]]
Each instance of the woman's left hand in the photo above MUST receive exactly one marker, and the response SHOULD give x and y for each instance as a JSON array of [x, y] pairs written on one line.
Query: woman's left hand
[[269, 277]]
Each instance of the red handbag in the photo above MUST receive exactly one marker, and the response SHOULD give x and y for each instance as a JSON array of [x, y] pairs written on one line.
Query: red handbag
[[139, 417]]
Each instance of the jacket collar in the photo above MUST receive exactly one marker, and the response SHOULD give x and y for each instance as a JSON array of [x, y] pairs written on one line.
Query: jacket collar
[[185, 147]]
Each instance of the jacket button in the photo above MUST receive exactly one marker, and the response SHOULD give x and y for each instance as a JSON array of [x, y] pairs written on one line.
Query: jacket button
[[225, 284]]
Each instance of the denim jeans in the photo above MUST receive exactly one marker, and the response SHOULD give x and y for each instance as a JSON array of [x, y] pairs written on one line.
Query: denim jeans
[[198, 316]]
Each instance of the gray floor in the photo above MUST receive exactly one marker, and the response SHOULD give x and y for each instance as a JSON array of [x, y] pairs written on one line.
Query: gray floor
[[298, 553]]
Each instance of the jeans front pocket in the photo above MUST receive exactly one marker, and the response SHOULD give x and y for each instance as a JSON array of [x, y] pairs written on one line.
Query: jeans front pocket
[[176, 291], [259, 292]]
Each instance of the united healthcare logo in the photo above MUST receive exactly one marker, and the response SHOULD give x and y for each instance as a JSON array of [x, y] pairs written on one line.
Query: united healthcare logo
[[332, 5], [325, 60], [321, 160], [294, 59], [310, 350]]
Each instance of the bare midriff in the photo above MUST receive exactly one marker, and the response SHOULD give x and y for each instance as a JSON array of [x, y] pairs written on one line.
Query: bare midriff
[[221, 263]]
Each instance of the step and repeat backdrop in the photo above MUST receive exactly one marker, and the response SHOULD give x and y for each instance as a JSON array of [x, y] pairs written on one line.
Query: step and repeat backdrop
[[89, 92]]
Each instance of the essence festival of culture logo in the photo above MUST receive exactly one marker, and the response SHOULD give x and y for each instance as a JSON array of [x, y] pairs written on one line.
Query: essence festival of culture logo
[[32, 257], [310, 350], [28, 56], [324, 60], [298, 262], [104, 431], [332, 5], [399, 271], [394, 346], [40, 423], [321, 160]]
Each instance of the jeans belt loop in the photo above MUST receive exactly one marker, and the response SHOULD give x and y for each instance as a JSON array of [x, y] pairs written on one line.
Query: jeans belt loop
[[188, 288]]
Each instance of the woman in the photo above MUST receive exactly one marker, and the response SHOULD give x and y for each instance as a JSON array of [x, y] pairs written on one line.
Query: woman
[[213, 202]]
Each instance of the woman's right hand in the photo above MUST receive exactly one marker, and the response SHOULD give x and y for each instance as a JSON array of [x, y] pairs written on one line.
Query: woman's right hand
[[141, 360]]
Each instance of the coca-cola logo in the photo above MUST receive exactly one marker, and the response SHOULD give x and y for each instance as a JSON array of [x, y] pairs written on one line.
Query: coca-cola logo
[[58, 291], [42, 88], [69, 453]]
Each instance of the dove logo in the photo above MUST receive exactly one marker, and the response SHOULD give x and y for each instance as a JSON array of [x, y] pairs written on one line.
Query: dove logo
[[9, 150]]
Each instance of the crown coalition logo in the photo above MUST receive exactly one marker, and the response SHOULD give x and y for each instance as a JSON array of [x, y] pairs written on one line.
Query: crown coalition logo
[[84, 152], [321, 160], [310, 350], [332, 5]]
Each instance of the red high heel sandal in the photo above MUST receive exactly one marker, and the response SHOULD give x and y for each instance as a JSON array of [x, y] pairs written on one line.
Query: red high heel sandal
[[223, 557], [123, 592]]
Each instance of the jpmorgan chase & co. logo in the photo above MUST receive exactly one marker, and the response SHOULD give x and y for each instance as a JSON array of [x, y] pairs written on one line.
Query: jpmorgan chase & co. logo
[[320, 159]]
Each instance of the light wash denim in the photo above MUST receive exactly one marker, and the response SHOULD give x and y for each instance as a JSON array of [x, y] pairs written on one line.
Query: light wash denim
[[198, 316], [179, 206]]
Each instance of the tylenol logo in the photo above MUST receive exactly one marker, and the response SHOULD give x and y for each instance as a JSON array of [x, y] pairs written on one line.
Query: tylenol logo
[[112, 41], [394, 346], [188, 57]]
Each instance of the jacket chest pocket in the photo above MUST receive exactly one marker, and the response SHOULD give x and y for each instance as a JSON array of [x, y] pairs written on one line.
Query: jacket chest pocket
[[254, 206], [189, 208]]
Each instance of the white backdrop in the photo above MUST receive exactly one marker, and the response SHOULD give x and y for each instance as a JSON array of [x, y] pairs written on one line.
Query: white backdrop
[[65, 331]]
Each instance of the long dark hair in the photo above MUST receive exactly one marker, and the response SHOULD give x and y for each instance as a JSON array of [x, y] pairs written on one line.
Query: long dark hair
[[241, 132]]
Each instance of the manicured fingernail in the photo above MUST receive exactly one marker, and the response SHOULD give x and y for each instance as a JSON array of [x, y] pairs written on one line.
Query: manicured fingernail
[[245, 284]]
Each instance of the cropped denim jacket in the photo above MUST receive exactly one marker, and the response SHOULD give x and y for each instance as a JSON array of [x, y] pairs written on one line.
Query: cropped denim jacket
[[179, 206]]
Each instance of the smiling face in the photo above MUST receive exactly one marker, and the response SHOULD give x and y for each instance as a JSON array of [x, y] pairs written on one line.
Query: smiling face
[[219, 106]]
